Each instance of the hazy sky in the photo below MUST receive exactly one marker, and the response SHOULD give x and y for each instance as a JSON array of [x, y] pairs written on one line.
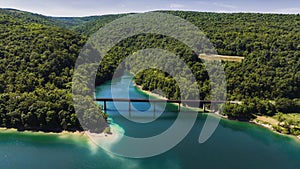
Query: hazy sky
[[99, 7]]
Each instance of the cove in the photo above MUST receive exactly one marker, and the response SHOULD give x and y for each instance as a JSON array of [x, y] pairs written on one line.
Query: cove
[[235, 144]]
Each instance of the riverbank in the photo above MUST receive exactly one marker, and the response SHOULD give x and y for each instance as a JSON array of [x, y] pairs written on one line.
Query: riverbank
[[76, 138], [274, 125], [158, 96], [151, 94], [75, 133], [267, 122], [107, 135]]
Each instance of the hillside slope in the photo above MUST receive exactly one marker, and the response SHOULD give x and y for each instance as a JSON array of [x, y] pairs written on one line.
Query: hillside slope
[[36, 68], [38, 55]]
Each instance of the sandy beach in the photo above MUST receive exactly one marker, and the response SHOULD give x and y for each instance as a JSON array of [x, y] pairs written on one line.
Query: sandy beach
[[112, 137], [157, 96], [60, 134], [270, 127], [105, 140]]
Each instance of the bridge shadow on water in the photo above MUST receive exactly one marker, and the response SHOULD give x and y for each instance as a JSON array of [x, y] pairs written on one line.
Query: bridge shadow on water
[[142, 121]]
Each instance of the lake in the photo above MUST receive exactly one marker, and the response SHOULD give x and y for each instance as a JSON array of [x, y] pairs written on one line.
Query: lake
[[234, 145]]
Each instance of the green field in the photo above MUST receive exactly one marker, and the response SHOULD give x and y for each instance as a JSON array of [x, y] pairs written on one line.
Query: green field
[[222, 57]]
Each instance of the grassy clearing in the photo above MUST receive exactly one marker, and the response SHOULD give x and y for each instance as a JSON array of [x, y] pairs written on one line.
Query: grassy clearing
[[282, 123], [267, 120], [221, 57]]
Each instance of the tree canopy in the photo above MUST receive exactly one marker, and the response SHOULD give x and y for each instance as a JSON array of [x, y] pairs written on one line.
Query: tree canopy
[[38, 53]]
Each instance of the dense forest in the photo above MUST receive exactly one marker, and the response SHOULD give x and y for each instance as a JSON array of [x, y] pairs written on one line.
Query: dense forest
[[268, 77], [36, 69], [38, 54]]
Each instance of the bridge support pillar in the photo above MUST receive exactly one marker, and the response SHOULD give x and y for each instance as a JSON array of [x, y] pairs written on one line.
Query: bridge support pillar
[[154, 109], [129, 109], [104, 106]]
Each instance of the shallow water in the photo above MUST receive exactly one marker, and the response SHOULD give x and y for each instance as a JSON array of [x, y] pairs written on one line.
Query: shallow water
[[234, 145]]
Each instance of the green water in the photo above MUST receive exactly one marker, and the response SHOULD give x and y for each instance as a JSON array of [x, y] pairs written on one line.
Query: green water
[[234, 145]]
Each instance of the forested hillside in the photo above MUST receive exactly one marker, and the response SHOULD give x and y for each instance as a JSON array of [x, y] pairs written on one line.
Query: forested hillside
[[270, 45], [270, 71], [36, 68], [27, 17], [268, 80], [38, 55]]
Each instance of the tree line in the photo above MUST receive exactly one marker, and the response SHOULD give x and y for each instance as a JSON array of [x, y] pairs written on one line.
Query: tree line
[[37, 56], [36, 69]]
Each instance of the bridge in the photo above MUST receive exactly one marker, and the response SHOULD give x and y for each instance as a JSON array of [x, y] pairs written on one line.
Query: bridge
[[154, 101]]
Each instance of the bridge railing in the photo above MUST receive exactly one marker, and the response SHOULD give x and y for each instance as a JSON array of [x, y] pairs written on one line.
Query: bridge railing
[[179, 102]]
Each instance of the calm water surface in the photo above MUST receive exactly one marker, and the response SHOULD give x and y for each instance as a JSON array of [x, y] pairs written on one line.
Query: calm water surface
[[234, 145]]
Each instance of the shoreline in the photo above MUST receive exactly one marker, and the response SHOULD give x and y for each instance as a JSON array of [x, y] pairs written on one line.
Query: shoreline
[[271, 128], [268, 126], [157, 96], [255, 121], [261, 124], [114, 133], [94, 142], [140, 88], [63, 133], [73, 137]]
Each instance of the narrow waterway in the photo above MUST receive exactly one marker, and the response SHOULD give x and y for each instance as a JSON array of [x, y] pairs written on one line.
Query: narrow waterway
[[234, 144]]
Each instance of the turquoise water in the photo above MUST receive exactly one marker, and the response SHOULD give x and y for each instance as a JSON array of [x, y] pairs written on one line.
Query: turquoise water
[[234, 145]]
